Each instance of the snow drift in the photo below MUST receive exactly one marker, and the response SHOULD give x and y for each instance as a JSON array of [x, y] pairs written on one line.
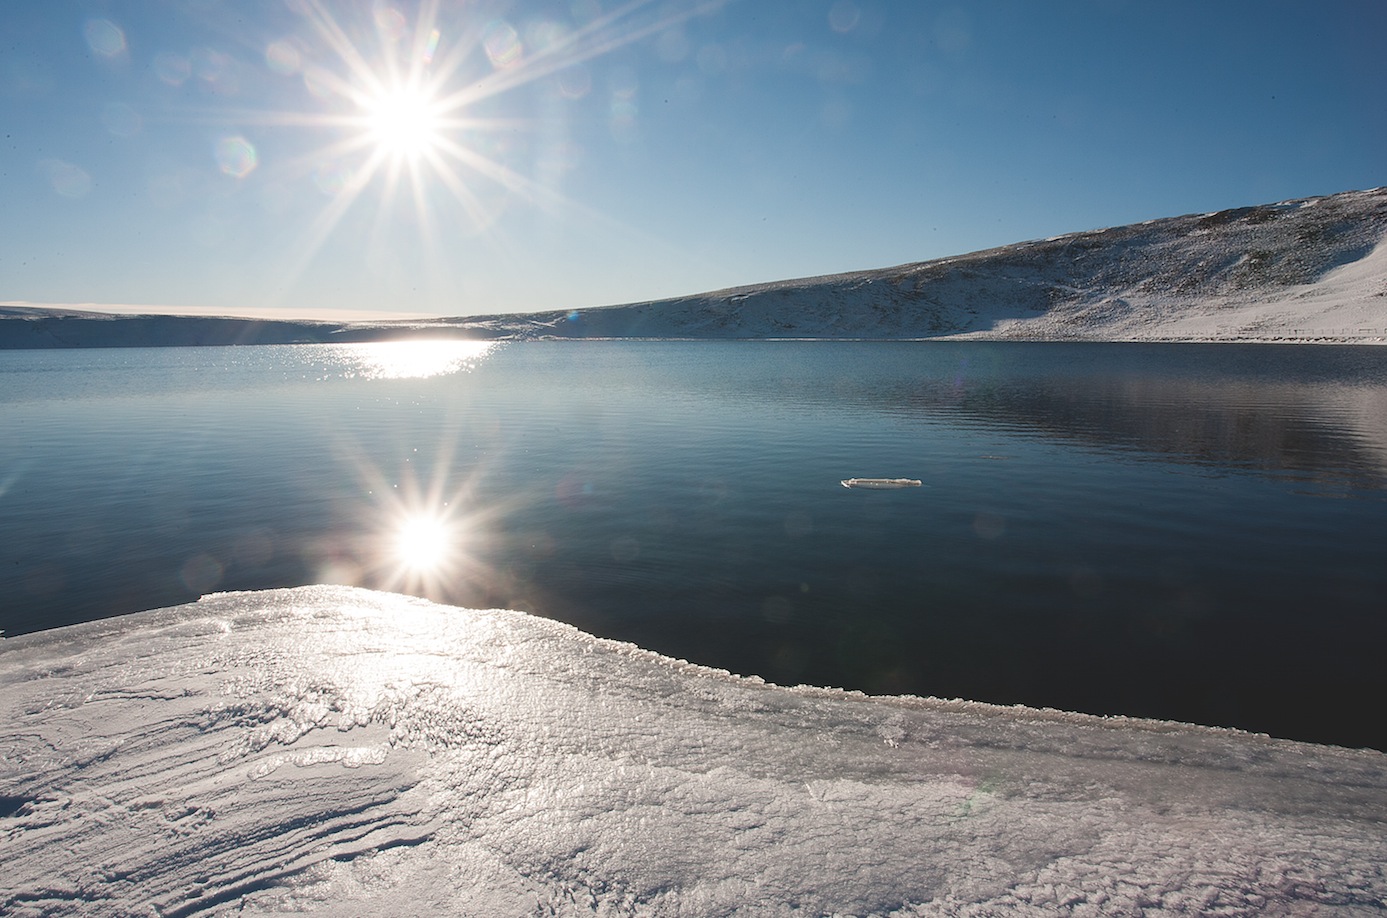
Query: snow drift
[[335, 751]]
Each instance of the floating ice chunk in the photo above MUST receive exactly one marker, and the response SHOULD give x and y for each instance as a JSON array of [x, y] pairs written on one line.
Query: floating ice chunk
[[881, 484]]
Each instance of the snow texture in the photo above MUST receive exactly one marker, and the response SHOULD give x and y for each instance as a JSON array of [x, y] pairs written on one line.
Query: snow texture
[[333, 751]]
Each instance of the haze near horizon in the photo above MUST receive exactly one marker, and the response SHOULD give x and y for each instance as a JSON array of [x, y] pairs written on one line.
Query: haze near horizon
[[299, 158]]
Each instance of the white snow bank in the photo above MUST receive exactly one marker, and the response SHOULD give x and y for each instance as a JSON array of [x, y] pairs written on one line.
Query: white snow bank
[[1347, 305], [337, 751]]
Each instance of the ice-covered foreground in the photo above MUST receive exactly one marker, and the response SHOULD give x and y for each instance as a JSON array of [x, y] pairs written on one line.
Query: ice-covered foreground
[[336, 751]]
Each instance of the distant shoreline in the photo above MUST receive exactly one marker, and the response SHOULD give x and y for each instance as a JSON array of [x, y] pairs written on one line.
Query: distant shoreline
[[1312, 271], [118, 331]]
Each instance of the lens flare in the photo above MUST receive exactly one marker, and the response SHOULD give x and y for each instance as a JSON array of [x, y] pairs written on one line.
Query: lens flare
[[68, 180], [104, 37], [173, 69], [236, 156], [283, 57], [502, 44]]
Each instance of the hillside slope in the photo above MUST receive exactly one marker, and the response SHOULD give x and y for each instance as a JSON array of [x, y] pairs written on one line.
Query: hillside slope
[[1307, 270], [1298, 270]]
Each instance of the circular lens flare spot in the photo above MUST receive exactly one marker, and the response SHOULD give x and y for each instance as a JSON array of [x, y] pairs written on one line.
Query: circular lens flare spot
[[502, 44], [423, 543], [104, 37], [236, 156]]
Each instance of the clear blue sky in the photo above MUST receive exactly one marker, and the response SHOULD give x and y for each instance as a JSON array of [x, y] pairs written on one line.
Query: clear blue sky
[[240, 155]]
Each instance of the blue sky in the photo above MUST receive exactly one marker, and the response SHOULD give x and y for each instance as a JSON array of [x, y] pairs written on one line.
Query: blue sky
[[450, 158]]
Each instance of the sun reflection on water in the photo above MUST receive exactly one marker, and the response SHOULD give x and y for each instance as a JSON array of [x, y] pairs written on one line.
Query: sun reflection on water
[[423, 543], [419, 524], [414, 359], [437, 549], [421, 548]]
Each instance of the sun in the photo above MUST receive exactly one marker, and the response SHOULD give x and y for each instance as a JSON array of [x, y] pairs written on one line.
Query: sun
[[404, 122], [412, 116]]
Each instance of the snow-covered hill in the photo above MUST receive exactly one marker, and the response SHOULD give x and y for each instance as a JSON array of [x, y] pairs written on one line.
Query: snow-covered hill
[[1314, 269], [1308, 270]]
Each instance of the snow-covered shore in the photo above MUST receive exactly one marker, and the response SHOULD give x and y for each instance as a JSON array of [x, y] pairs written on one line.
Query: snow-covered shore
[[335, 751], [1313, 270]]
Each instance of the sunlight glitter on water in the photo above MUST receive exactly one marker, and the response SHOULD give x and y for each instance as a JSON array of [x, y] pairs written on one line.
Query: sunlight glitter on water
[[414, 359]]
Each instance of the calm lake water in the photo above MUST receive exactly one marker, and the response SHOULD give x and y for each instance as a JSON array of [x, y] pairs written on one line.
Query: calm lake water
[[1188, 532]]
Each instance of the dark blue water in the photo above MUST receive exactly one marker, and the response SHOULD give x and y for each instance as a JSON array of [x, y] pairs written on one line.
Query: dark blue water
[[1188, 532]]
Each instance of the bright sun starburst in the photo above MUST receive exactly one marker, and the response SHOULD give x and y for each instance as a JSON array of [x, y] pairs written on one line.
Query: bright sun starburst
[[411, 105], [405, 122], [423, 543]]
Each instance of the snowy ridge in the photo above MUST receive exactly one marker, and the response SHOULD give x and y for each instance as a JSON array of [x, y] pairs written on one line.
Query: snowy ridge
[[1307, 270], [335, 751], [1313, 269]]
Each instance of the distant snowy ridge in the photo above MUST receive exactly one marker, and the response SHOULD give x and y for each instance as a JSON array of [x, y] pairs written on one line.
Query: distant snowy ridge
[[334, 751], [1314, 269], [1306, 270]]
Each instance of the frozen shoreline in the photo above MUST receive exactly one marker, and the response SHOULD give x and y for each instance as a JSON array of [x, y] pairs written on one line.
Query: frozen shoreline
[[327, 748]]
